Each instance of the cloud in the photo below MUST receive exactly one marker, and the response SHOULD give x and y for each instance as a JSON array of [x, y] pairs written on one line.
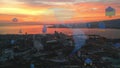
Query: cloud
[[53, 2], [46, 2], [63, 14], [10, 2], [62, 2]]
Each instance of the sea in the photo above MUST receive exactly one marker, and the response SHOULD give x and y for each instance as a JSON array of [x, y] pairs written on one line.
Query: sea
[[37, 29]]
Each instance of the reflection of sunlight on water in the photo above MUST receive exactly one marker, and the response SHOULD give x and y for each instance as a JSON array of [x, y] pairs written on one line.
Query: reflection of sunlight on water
[[37, 29]]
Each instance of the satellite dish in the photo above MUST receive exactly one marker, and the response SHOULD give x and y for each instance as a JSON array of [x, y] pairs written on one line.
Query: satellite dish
[[110, 11], [15, 20]]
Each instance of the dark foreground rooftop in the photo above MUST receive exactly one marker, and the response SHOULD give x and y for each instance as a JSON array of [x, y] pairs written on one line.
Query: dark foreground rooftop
[[54, 51]]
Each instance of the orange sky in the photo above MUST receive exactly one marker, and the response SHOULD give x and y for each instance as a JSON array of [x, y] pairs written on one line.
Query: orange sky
[[82, 12]]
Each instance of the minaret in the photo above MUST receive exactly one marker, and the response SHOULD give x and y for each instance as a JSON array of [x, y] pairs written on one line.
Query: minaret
[[44, 29]]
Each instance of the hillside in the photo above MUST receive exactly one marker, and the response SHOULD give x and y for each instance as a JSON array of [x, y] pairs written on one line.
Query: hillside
[[108, 23]]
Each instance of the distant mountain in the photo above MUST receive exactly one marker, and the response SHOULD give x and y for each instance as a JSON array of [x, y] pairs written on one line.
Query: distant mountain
[[108, 23]]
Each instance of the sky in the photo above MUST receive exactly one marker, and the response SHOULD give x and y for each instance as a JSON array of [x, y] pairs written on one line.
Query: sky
[[56, 11]]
